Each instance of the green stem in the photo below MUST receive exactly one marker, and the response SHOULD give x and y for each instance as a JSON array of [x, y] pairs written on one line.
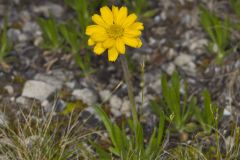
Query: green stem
[[130, 89]]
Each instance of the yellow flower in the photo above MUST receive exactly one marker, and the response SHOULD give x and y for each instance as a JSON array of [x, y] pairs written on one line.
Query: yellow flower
[[113, 30]]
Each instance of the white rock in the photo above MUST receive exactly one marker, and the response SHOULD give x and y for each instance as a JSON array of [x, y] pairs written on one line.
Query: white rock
[[183, 59], [163, 16], [70, 85], [115, 102], [171, 53], [31, 27], [198, 43], [23, 37], [115, 112], [226, 112], [12, 99], [9, 89], [22, 100], [157, 19], [104, 95], [49, 9], [51, 80], [125, 109], [38, 40], [85, 95], [170, 69], [152, 41], [46, 105], [37, 90], [61, 74], [25, 16]]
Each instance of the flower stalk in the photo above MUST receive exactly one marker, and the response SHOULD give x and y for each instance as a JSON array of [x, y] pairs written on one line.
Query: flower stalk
[[130, 89]]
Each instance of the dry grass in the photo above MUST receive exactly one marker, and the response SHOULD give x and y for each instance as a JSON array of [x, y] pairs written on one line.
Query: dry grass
[[44, 136]]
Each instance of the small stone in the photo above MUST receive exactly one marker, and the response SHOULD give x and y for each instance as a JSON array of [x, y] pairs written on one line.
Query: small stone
[[115, 102], [38, 40], [13, 34], [9, 89], [196, 44], [159, 31], [31, 27], [51, 80], [170, 68], [163, 16], [152, 41], [46, 105], [25, 16], [70, 85], [230, 141], [104, 95], [22, 100], [37, 90], [171, 54], [157, 19], [226, 112], [12, 99], [23, 37], [49, 9], [86, 95], [125, 109], [60, 105], [116, 112], [62, 75], [183, 59]]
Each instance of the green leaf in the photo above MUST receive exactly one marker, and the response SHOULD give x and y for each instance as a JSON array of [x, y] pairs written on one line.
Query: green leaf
[[6, 44], [103, 155], [51, 35], [235, 4], [150, 13]]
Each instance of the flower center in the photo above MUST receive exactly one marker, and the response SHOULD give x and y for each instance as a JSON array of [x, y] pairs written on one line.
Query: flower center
[[115, 31]]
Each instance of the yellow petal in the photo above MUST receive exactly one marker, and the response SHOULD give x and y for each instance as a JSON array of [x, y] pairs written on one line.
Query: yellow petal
[[115, 11], [99, 37], [122, 15], [132, 42], [98, 49], [120, 45], [112, 54], [90, 42], [136, 26], [107, 15], [139, 43], [94, 29], [108, 43], [98, 20], [130, 20], [132, 33]]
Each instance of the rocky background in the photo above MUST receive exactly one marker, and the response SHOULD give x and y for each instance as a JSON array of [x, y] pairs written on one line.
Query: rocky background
[[173, 40]]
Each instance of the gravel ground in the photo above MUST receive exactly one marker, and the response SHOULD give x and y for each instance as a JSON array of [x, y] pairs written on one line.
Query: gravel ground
[[173, 40]]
